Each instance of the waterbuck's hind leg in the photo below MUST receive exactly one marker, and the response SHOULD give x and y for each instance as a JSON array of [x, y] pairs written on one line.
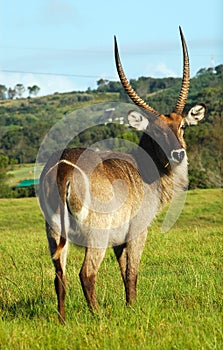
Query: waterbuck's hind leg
[[134, 250], [60, 287], [60, 269], [120, 253], [88, 275]]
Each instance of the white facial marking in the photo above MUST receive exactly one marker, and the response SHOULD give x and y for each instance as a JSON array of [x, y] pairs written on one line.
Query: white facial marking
[[137, 120], [195, 115], [178, 155]]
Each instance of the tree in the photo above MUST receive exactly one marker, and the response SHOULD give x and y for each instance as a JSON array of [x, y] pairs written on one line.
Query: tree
[[219, 69], [33, 90], [3, 90], [102, 84], [20, 89], [11, 93], [4, 188], [217, 142]]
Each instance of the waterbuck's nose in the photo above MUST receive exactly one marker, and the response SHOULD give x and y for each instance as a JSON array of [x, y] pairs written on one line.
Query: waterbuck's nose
[[178, 155]]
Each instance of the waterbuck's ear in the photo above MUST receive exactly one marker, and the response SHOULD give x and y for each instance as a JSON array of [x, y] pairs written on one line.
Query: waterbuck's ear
[[137, 120], [195, 115]]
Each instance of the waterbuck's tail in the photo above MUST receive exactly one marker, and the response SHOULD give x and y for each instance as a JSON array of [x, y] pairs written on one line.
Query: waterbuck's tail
[[60, 246]]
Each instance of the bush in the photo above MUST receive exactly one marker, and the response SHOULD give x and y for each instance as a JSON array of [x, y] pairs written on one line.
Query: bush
[[198, 179], [5, 191], [24, 192]]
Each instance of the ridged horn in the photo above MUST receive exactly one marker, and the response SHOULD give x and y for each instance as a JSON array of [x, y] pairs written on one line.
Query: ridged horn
[[127, 86], [186, 78]]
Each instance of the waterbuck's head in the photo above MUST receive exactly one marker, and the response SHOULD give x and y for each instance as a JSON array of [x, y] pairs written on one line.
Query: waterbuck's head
[[162, 135]]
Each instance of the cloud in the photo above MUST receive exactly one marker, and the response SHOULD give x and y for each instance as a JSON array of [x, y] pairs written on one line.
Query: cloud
[[58, 12], [48, 84], [159, 70]]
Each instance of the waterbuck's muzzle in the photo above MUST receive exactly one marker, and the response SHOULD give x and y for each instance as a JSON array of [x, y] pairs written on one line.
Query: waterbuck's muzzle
[[178, 155]]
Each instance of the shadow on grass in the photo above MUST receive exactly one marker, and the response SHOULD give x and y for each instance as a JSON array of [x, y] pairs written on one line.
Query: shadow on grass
[[39, 307], [26, 308]]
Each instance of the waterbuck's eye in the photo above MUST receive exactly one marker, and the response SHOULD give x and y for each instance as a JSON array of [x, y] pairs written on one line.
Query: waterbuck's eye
[[157, 133]]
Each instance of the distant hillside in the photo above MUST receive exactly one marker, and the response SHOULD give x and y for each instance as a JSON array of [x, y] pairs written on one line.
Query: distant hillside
[[24, 122]]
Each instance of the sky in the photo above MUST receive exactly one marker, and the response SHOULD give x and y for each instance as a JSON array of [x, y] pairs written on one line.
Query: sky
[[67, 45]]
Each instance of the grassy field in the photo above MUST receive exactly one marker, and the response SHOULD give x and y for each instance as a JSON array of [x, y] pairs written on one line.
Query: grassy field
[[180, 286]]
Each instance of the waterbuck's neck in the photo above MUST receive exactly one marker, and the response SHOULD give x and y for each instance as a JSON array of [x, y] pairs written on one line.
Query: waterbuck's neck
[[152, 161], [175, 182], [155, 168]]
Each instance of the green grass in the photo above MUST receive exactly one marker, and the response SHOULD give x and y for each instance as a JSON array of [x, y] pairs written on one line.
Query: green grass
[[179, 302]]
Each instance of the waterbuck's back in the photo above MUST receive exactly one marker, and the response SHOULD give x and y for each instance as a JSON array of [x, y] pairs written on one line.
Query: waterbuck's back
[[98, 199]]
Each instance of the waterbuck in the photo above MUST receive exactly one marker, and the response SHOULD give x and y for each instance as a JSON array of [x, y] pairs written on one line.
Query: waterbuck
[[110, 199]]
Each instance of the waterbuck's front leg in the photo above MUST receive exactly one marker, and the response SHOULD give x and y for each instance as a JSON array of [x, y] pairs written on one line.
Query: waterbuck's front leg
[[134, 250], [88, 275], [60, 268], [128, 256]]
